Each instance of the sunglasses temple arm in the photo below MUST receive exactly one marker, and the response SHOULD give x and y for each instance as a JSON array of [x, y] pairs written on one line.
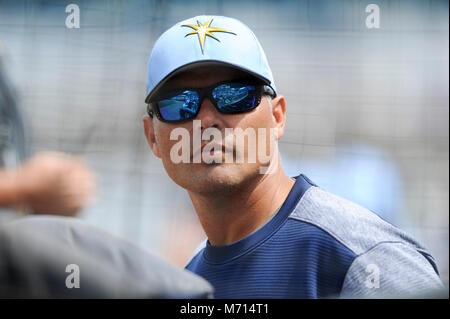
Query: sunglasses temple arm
[[150, 110]]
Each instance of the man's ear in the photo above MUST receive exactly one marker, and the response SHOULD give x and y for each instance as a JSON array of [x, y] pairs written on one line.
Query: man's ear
[[279, 114], [149, 131]]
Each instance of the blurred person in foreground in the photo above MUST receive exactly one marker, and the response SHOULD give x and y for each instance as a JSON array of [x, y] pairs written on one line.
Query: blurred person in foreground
[[269, 235], [42, 255]]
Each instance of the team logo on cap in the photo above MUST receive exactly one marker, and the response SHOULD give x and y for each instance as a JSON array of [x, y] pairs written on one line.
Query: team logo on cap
[[203, 30]]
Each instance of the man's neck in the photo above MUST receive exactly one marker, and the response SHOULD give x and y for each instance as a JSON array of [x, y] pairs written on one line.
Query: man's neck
[[231, 217]]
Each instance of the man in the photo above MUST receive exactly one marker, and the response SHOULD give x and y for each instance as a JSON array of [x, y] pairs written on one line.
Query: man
[[269, 235]]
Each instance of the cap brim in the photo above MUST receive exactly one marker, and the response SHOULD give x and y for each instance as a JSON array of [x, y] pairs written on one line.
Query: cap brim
[[203, 63]]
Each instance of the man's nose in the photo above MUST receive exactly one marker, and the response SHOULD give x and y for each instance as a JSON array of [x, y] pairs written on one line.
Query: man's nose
[[208, 115]]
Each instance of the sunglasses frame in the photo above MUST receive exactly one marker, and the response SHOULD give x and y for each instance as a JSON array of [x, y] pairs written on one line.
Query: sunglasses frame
[[206, 92]]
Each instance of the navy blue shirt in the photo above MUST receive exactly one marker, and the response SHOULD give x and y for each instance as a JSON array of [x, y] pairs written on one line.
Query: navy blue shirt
[[286, 258], [319, 245]]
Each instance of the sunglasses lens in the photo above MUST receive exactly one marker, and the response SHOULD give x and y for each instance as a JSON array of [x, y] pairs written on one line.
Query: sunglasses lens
[[182, 106], [236, 97]]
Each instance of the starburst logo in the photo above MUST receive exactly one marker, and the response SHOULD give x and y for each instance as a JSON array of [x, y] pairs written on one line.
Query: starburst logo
[[204, 30]]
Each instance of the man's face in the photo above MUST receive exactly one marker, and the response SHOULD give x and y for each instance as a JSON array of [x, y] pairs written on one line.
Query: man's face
[[213, 177]]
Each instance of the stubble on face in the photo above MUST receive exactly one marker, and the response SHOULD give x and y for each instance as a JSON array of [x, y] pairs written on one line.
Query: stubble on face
[[223, 178]]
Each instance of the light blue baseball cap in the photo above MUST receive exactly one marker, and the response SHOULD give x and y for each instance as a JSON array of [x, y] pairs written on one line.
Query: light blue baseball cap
[[204, 40]]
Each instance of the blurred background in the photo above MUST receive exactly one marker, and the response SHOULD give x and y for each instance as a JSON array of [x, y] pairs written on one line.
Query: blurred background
[[367, 108]]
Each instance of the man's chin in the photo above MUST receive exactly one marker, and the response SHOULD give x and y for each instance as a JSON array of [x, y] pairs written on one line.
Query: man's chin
[[214, 177]]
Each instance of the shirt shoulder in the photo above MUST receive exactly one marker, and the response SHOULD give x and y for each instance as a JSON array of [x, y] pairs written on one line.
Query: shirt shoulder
[[378, 245], [353, 225], [391, 270]]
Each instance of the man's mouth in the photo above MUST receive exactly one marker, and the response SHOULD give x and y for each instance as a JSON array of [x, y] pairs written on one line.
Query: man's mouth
[[213, 151]]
